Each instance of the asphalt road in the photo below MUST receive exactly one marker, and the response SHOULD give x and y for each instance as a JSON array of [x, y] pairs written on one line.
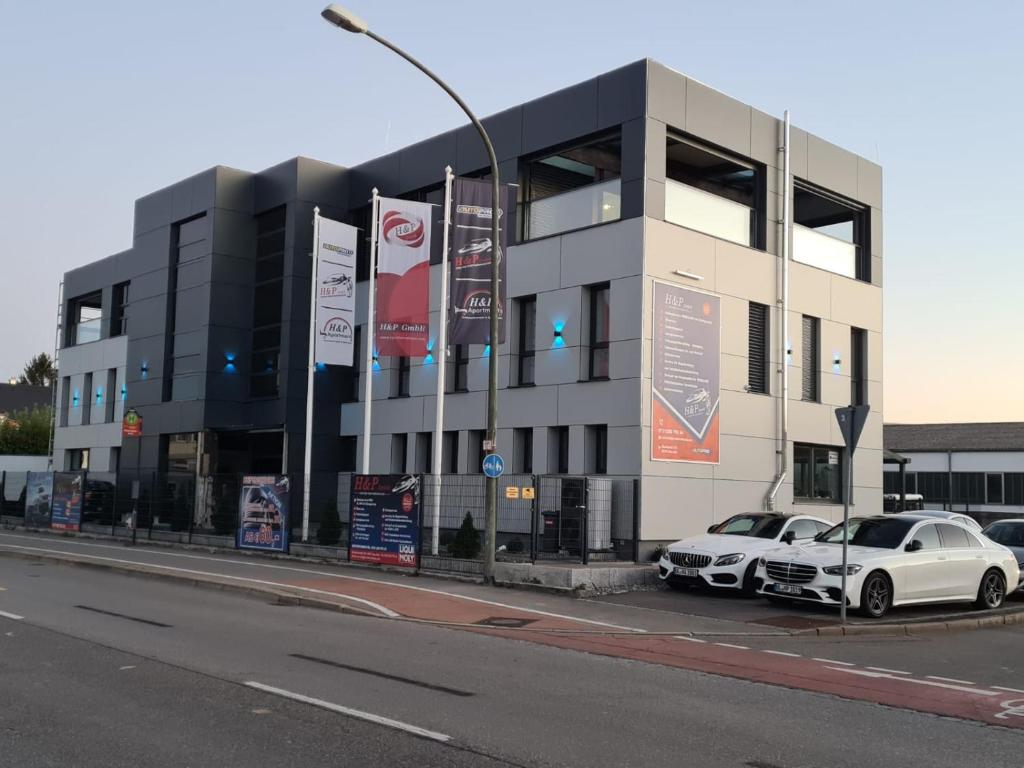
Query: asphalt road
[[109, 669]]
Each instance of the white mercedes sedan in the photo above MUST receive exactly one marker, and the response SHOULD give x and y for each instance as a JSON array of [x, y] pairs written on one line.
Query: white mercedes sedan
[[726, 556], [892, 560]]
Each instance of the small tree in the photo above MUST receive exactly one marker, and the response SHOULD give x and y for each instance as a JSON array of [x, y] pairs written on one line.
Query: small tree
[[467, 541], [39, 371], [26, 432], [329, 533]]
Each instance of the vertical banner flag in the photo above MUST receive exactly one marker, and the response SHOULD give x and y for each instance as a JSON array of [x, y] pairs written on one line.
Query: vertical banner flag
[[686, 375], [335, 292], [385, 520], [472, 253], [38, 492], [263, 513], [403, 278], [66, 510]]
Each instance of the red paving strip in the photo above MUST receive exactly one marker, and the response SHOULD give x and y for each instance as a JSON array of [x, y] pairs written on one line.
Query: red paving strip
[[753, 665]]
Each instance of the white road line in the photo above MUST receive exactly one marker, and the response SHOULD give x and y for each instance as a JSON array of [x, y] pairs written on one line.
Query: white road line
[[730, 645], [13, 616], [330, 574], [689, 639], [1011, 690], [784, 653], [888, 671], [933, 683], [950, 680], [358, 714], [833, 661]]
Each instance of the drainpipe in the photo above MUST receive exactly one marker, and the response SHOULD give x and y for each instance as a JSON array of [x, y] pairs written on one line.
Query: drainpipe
[[769, 499]]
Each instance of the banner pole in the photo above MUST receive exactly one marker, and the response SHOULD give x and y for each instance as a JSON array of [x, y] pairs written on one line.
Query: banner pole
[[371, 322], [308, 452], [441, 357]]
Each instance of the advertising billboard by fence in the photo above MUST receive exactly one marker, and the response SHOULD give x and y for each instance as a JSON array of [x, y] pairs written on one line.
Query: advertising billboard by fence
[[686, 375], [38, 499], [67, 501], [263, 513], [385, 520]]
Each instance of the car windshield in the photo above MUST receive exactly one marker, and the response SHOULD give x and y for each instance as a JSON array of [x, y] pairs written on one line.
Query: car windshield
[[1007, 534], [758, 526], [887, 533]]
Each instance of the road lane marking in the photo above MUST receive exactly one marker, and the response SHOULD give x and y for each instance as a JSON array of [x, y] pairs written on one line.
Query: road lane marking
[[730, 645], [950, 680], [888, 671], [308, 572], [933, 683], [369, 717], [784, 653], [690, 639], [1011, 690], [13, 616], [833, 661]]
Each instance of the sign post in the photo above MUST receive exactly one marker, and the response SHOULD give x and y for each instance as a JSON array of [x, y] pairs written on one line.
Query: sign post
[[851, 423], [131, 426]]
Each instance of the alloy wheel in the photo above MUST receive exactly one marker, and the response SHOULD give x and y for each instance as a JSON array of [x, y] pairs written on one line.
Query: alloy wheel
[[993, 590], [877, 596]]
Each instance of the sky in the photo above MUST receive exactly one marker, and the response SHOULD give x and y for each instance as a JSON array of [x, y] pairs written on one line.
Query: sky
[[107, 101]]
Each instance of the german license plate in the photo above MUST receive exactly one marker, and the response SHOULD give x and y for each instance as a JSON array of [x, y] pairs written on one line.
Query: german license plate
[[691, 572], [789, 589]]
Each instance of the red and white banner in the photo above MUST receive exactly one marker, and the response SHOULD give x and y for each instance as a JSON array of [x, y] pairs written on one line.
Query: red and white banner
[[403, 278]]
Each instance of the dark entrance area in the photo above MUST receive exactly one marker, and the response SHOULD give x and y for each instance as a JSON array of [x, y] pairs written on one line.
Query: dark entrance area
[[249, 452]]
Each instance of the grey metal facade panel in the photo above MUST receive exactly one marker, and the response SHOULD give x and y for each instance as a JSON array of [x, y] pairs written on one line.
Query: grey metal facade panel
[[622, 94], [506, 131], [560, 116], [422, 165]]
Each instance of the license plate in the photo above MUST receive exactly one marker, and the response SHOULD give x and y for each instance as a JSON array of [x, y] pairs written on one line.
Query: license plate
[[691, 572], [789, 589]]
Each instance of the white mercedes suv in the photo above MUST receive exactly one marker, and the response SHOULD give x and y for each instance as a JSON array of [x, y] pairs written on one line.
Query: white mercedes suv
[[892, 560], [726, 556]]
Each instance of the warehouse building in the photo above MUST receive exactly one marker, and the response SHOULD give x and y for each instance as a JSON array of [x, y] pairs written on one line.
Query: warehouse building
[[640, 186]]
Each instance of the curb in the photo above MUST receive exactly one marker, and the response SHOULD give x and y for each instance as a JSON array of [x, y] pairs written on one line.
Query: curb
[[918, 628]]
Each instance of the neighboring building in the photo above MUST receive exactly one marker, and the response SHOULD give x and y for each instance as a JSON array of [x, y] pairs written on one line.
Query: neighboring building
[[638, 175], [983, 464], [20, 397]]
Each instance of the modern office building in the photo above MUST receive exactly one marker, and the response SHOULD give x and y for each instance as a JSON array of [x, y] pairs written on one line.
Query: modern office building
[[640, 177], [977, 468]]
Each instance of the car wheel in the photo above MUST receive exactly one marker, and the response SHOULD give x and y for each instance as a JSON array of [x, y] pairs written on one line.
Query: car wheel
[[992, 591], [747, 589], [876, 596]]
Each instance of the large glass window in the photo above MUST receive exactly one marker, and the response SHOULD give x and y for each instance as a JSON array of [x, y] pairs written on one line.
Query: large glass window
[[817, 473], [400, 378], [994, 488], [399, 444], [599, 301], [597, 449], [268, 286], [522, 450], [527, 331], [119, 310], [858, 366], [558, 450], [572, 188], [830, 232], [85, 316], [457, 379]]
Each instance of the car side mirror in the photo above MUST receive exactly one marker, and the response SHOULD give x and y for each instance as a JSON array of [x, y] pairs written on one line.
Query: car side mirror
[[789, 537], [914, 546], [711, 528]]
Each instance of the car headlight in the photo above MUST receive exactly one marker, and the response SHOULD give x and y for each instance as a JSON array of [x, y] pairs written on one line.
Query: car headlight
[[837, 570], [730, 559]]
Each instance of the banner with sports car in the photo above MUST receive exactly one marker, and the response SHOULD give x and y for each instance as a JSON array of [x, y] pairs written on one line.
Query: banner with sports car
[[335, 292]]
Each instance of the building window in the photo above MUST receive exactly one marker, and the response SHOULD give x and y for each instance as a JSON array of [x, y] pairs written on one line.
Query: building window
[[362, 219], [714, 192], [817, 473], [811, 346], [858, 366], [110, 397], [1013, 488], [86, 401], [65, 400], [476, 450], [994, 488], [598, 301], [424, 452], [558, 450], [119, 310], [400, 378], [757, 348], [115, 460], [526, 339], [85, 318], [450, 452], [399, 443], [350, 378], [830, 232], [182, 379], [597, 449], [347, 454], [268, 293], [572, 188], [458, 381], [522, 450], [76, 459]]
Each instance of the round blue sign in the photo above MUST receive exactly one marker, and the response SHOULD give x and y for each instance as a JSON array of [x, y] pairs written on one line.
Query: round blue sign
[[494, 465]]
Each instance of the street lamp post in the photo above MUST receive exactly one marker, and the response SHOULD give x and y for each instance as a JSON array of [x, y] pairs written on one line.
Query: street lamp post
[[348, 21]]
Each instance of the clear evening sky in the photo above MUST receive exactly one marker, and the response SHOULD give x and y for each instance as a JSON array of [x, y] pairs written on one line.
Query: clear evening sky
[[106, 101]]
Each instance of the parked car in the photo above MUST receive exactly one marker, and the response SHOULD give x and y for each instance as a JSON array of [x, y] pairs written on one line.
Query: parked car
[[98, 502], [892, 560], [1010, 534], [943, 514], [726, 556]]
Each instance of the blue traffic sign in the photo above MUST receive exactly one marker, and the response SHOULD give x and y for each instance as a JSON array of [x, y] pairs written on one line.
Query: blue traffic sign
[[494, 465]]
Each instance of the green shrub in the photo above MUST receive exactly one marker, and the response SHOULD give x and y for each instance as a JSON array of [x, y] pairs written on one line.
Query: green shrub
[[466, 544]]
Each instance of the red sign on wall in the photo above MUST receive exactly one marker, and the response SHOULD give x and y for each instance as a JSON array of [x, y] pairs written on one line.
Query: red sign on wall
[[131, 425]]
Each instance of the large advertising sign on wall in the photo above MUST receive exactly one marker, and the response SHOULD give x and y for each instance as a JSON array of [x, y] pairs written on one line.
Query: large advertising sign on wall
[[66, 510], [472, 261], [385, 520], [263, 513], [686, 375], [403, 278], [335, 292], [38, 498]]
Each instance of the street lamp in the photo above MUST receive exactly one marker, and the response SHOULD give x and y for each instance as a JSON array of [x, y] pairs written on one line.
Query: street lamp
[[348, 21]]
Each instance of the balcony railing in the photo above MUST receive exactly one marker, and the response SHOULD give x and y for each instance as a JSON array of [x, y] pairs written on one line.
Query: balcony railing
[[696, 209], [575, 209], [824, 251], [87, 330]]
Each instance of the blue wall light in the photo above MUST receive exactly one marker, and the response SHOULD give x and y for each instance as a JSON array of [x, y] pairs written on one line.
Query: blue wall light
[[99, 395], [74, 399], [144, 369], [487, 351], [429, 359], [321, 366], [229, 365], [376, 360], [837, 363], [559, 341], [124, 392]]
